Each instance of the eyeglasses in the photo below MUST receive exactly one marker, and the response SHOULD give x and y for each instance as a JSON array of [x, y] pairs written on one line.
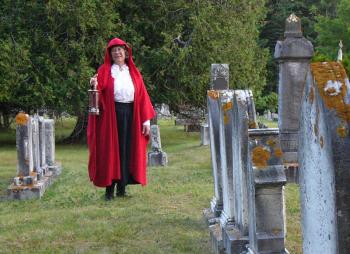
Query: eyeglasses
[[117, 49]]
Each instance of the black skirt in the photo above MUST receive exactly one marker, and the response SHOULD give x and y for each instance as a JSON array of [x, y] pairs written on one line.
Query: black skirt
[[124, 115]]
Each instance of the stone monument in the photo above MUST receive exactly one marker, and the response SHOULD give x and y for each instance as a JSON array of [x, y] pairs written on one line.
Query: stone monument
[[324, 162], [32, 175], [266, 180], [156, 157], [293, 56]]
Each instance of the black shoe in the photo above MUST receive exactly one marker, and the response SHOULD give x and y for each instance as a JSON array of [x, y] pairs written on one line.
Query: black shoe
[[109, 192], [120, 190]]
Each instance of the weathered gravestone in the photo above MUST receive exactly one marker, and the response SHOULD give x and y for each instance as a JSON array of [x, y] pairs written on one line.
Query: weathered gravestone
[[156, 157], [50, 150], [266, 180], [226, 235], [32, 175], [36, 148], [219, 81], [293, 56], [205, 139], [235, 236], [324, 160], [24, 144]]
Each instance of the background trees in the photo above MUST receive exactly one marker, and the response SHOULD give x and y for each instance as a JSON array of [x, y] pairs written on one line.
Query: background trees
[[49, 49]]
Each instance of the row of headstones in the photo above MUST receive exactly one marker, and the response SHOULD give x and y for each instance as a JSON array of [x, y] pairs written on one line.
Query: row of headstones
[[35, 143], [314, 103], [247, 166], [248, 206]]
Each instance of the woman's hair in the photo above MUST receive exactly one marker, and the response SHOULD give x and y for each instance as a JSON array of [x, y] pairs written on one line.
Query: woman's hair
[[126, 53]]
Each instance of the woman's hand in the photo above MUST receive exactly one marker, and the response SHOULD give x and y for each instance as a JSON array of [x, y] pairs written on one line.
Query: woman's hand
[[93, 81], [146, 129]]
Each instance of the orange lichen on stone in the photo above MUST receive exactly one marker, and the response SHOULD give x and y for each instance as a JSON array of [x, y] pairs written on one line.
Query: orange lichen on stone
[[227, 106], [271, 142], [226, 118], [22, 118], [321, 141], [311, 95], [260, 156], [213, 94], [252, 125], [333, 96], [278, 153], [342, 131]]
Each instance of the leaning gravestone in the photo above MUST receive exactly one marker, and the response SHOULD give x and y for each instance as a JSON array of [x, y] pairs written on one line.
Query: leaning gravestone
[[324, 145], [293, 56], [156, 157], [32, 175]]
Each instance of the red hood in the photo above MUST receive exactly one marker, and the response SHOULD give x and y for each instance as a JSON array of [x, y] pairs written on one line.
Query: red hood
[[117, 42]]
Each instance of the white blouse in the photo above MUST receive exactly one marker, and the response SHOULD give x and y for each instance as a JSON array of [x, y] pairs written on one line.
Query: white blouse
[[123, 86]]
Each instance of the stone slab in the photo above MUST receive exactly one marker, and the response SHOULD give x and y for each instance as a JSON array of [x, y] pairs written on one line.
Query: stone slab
[[157, 159], [210, 217], [216, 239], [36, 190], [234, 241]]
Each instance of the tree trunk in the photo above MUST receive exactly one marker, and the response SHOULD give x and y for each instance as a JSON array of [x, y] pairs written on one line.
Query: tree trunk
[[78, 134]]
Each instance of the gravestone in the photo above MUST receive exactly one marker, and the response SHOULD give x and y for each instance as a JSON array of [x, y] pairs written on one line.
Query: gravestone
[[324, 160], [219, 77], [205, 140], [293, 56], [50, 150], [42, 142], [156, 157], [24, 144], [266, 180], [235, 237], [225, 153], [31, 182], [36, 148]]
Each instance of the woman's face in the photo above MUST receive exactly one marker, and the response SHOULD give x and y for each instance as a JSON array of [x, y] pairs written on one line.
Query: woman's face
[[118, 55]]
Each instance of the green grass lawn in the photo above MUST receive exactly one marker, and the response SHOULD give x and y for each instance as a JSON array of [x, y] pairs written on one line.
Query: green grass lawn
[[163, 217]]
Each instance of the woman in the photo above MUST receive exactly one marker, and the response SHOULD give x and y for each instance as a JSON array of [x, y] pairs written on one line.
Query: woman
[[118, 136]]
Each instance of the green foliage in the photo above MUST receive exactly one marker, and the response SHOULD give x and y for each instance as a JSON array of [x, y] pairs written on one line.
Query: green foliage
[[224, 32], [332, 29], [51, 48], [273, 29], [267, 102], [50, 51]]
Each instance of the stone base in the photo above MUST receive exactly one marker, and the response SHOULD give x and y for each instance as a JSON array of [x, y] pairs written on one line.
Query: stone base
[[157, 159], [216, 239], [292, 172], [56, 169], [269, 244], [35, 190], [209, 217], [290, 157], [234, 242]]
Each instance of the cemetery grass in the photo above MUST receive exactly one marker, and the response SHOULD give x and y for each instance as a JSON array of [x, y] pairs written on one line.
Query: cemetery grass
[[163, 217]]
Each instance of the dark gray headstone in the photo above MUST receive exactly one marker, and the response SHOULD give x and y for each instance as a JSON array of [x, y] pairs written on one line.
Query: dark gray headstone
[[219, 77], [293, 56]]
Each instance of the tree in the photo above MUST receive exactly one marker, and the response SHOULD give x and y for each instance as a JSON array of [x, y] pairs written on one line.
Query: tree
[[332, 29]]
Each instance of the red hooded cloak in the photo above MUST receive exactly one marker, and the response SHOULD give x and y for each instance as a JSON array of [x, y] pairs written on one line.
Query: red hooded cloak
[[102, 133]]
